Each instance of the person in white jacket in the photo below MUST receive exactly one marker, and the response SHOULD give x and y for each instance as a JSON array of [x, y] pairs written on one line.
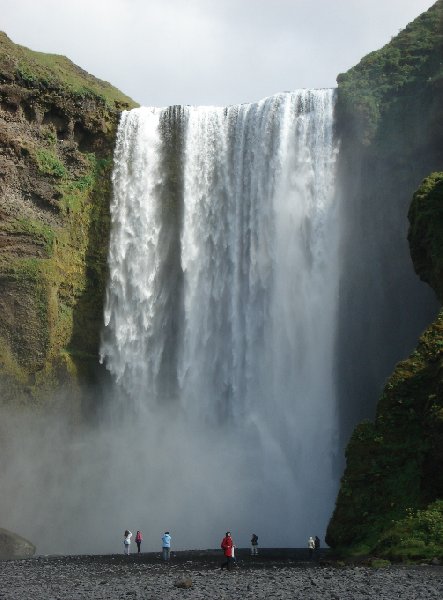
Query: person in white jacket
[[311, 547], [127, 541]]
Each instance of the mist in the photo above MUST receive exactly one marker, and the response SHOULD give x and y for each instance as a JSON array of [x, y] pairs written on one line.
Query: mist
[[73, 489]]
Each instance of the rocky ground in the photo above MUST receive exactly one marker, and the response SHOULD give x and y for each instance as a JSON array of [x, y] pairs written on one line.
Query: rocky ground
[[270, 576]]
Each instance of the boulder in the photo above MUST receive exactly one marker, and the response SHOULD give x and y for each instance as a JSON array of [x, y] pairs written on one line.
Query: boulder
[[14, 546], [183, 582]]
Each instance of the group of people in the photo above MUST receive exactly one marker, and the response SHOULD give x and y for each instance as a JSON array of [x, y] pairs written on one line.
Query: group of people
[[127, 541], [166, 543], [227, 545], [314, 546]]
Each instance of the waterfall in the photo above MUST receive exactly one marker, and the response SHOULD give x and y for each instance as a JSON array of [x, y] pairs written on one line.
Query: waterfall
[[221, 308]]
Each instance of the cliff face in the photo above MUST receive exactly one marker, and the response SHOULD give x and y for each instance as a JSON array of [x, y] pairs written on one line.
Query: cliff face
[[426, 232], [390, 120], [57, 131], [391, 496]]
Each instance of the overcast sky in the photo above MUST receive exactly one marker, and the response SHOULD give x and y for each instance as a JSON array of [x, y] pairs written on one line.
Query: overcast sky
[[220, 52]]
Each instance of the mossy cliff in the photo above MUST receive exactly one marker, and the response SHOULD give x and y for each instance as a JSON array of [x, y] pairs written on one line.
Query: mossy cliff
[[391, 496], [57, 132], [390, 118], [393, 85]]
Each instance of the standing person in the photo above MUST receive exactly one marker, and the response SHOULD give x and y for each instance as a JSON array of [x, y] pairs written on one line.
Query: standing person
[[227, 545], [317, 547], [127, 541], [166, 546], [311, 546], [254, 545], [138, 540]]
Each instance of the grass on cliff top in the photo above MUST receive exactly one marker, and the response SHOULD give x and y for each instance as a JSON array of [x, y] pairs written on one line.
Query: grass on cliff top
[[37, 69], [414, 54], [409, 64]]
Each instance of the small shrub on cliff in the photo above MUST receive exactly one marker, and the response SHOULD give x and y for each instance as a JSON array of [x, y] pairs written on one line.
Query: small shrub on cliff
[[418, 535], [49, 164], [379, 563]]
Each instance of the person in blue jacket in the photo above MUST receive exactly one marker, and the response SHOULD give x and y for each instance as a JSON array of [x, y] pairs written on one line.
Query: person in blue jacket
[[166, 546]]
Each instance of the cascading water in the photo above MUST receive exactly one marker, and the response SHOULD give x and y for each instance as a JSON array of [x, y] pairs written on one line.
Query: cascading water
[[221, 310]]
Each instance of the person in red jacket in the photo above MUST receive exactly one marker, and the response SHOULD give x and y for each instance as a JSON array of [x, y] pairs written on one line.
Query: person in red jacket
[[138, 540], [228, 550]]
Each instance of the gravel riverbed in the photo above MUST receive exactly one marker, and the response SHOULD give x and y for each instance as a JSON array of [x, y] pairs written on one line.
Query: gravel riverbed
[[115, 577]]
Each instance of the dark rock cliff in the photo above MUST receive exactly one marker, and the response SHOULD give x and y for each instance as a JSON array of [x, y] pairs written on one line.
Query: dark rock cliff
[[391, 495], [391, 117], [390, 120], [57, 131]]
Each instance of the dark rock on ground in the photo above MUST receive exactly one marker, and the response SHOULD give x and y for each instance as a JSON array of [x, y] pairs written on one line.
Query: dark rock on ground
[[13, 546]]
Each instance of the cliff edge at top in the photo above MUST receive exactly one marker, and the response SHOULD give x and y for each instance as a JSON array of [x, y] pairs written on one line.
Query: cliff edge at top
[[395, 84], [57, 133]]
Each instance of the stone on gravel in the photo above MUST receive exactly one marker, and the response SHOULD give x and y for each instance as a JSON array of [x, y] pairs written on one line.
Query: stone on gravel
[[183, 582]]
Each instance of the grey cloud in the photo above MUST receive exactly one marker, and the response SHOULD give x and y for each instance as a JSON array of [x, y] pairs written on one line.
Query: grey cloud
[[209, 51]]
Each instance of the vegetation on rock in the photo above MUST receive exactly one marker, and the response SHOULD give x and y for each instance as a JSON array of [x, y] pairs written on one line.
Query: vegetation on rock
[[393, 480], [391, 495], [57, 131], [390, 117], [426, 232], [409, 67], [52, 72]]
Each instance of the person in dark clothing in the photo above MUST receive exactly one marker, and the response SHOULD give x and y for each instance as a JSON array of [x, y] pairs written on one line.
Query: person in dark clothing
[[254, 545], [317, 547]]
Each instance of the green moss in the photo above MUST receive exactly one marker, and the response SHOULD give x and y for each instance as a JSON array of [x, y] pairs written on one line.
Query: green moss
[[39, 232], [66, 287], [8, 364], [418, 535], [25, 269], [49, 135], [379, 563], [49, 164]]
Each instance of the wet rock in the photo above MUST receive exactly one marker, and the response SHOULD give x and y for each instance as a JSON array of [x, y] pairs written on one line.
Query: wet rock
[[14, 546]]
